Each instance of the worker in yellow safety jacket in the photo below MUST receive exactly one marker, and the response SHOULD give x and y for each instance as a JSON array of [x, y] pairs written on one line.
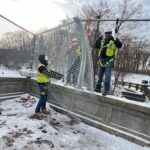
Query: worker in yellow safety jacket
[[108, 48], [74, 57], [43, 80]]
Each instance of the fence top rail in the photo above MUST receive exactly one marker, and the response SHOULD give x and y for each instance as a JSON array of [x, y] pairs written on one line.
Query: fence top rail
[[60, 26], [115, 19], [16, 24]]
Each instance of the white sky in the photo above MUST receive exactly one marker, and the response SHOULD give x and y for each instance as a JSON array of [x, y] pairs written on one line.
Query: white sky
[[33, 14], [36, 14]]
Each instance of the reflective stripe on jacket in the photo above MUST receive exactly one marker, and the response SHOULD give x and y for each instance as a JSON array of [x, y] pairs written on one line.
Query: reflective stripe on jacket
[[78, 51], [41, 78], [75, 48], [106, 64]]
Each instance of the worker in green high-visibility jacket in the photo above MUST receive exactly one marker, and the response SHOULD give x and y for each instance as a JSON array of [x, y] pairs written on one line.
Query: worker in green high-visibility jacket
[[108, 49], [74, 57]]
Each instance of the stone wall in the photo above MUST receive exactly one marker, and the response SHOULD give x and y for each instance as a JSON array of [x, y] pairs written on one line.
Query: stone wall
[[11, 85], [148, 93], [111, 114]]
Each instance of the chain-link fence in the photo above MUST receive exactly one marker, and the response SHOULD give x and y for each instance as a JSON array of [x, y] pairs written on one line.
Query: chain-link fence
[[66, 47], [19, 49], [68, 50], [15, 45]]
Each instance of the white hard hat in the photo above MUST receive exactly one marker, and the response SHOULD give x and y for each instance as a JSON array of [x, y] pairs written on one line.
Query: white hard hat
[[46, 57], [108, 30]]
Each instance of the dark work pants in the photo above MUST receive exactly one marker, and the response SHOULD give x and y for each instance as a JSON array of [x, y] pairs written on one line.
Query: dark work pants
[[43, 97]]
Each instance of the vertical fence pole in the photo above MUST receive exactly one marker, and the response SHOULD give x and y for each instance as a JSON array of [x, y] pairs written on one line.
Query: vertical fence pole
[[83, 51], [91, 73], [33, 51]]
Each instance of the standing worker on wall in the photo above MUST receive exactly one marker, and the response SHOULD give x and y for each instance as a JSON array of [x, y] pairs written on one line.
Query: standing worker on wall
[[107, 53], [74, 55]]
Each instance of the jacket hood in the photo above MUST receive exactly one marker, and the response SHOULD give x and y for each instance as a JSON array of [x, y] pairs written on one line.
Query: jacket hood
[[42, 60]]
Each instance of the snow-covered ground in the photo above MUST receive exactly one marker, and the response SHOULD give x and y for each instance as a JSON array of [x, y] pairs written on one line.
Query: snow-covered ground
[[4, 72], [136, 78], [132, 78], [56, 132]]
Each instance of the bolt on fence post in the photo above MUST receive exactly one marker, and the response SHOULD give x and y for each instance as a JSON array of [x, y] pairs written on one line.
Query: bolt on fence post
[[83, 51], [33, 51]]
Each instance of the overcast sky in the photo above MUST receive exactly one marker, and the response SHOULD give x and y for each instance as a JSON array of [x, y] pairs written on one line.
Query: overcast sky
[[36, 14]]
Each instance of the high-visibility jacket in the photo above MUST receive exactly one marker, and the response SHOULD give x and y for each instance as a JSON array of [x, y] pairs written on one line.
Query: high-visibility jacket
[[111, 50], [78, 51], [41, 78]]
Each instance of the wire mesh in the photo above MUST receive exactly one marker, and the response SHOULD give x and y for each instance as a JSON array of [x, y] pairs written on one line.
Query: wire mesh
[[20, 49], [64, 50], [15, 46]]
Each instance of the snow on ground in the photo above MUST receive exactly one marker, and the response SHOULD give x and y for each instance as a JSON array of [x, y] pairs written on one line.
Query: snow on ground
[[136, 78], [4, 72], [56, 132], [133, 78]]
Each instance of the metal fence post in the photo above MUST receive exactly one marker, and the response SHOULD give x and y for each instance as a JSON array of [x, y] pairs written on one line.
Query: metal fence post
[[83, 50], [91, 73], [33, 51], [86, 54]]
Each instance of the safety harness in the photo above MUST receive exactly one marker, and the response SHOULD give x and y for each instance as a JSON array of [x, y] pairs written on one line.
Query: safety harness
[[111, 51]]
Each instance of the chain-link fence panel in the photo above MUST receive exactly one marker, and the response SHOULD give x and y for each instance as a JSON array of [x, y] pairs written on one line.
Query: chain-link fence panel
[[15, 45], [64, 47], [64, 50]]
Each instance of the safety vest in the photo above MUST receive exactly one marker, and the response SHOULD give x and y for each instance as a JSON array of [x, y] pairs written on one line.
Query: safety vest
[[78, 51], [41, 78], [111, 50]]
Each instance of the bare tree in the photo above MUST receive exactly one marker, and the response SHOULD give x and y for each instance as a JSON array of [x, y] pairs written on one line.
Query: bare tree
[[126, 10], [19, 40], [15, 49], [99, 10]]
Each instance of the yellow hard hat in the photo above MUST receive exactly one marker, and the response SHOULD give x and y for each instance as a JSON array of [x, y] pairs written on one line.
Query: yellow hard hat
[[74, 40]]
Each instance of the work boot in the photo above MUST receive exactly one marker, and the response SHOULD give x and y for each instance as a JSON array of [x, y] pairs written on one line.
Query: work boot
[[39, 115], [105, 93], [68, 83], [44, 111], [98, 89]]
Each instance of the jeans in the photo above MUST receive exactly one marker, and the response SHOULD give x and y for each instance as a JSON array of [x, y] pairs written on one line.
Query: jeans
[[73, 71], [107, 71], [43, 97]]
